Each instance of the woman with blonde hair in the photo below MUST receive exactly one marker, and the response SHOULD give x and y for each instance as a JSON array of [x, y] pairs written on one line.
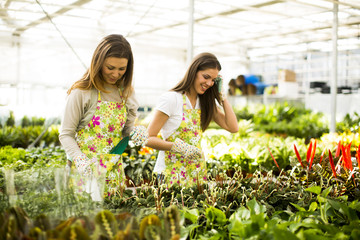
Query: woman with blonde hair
[[100, 110]]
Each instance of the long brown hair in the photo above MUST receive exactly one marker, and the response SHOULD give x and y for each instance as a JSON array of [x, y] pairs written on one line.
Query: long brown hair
[[114, 45], [208, 108]]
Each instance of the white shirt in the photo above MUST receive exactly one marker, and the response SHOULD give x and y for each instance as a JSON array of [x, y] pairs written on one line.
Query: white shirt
[[171, 103]]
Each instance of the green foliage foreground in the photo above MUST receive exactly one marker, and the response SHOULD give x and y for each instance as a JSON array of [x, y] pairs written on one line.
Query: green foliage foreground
[[252, 206]]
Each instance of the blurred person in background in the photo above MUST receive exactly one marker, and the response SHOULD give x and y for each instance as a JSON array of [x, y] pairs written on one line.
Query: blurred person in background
[[100, 110]]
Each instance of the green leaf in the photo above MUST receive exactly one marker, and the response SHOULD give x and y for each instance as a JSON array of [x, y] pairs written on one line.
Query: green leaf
[[255, 208], [191, 214], [280, 234], [326, 192], [313, 206], [215, 215], [241, 214], [298, 207], [355, 234], [314, 189]]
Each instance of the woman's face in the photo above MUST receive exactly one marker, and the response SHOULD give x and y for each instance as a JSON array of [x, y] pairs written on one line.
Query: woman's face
[[205, 80], [113, 69]]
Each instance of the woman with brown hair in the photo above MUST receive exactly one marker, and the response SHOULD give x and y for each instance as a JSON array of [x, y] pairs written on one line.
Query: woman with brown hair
[[182, 115], [100, 110]]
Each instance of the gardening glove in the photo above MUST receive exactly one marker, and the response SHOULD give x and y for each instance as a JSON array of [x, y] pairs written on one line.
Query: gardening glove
[[139, 135], [188, 151], [220, 84], [82, 164]]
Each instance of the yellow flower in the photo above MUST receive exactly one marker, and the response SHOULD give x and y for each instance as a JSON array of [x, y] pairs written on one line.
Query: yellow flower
[[177, 164]]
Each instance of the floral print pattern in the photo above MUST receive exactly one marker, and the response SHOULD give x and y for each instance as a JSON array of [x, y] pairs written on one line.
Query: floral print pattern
[[179, 170], [102, 134]]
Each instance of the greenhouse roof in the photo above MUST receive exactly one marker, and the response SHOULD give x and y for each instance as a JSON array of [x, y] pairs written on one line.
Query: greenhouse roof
[[259, 27]]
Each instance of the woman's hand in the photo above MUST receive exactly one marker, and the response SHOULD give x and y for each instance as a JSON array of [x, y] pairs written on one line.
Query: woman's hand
[[220, 84], [188, 151], [139, 135], [82, 164]]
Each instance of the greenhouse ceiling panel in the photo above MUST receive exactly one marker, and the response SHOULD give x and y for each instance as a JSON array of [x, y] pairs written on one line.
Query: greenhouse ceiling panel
[[223, 24]]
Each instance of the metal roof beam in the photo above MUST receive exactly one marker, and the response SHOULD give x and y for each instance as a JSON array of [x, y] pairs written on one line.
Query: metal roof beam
[[205, 18], [4, 14], [344, 4], [357, 22], [20, 30]]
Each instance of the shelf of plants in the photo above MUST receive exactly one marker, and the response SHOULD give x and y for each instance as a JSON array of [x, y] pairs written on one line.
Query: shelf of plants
[[281, 176]]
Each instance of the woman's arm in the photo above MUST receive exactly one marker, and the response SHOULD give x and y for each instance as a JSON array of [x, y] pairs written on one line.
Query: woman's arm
[[132, 106], [72, 116], [154, 127], [227, 119]]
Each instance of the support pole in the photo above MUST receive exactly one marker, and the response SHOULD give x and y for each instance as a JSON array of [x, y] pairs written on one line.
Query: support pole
[[334, 68], [190, 49]]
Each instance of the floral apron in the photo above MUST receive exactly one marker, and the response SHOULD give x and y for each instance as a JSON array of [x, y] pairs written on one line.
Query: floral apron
[[180, 170], [97, 139]]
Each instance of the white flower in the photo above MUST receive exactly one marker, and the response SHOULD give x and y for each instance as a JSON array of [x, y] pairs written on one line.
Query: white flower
[[195, 140], [114, 159], [173, 158]]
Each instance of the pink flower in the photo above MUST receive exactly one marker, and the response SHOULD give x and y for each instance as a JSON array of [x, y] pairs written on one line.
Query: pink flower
[[111, 128], [102, 164], [109, 141], [98, 135], [194, 121], [95, 120], [92, 148], [196, 133], [119, 106]]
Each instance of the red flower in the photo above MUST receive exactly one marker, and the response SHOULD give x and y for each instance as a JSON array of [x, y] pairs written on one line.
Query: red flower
[[274, 159], [358, 156], [308, 153], [347, 156], [331, 160], [298, 155], [312, 154], [337, 153]]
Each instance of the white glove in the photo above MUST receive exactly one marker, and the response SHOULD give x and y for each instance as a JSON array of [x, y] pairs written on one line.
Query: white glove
[[188, 151], [82, 164], [139, 135], [220, 83]]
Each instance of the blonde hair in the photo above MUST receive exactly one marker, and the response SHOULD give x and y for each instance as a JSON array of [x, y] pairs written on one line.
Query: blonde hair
[[114, 45]]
